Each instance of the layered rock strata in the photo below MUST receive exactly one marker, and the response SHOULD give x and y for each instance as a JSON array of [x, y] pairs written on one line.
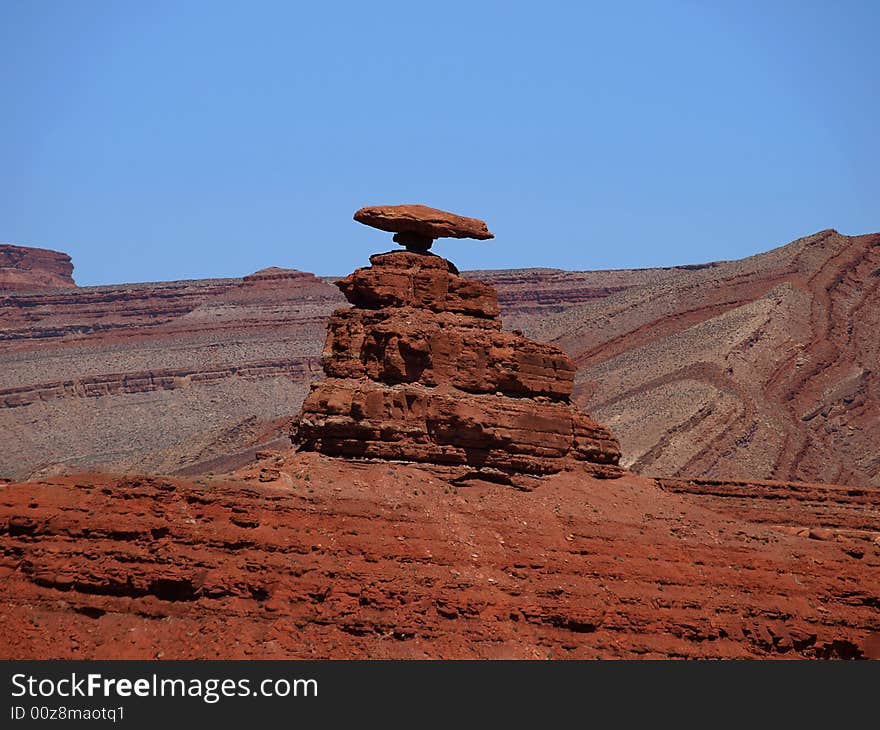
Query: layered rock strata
[[308, 557], [163, 377], [23, 268], [420, 370]]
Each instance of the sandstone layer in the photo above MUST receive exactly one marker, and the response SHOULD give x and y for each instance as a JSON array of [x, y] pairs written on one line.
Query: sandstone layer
[[420, 370], [304, 556], [23, 268]]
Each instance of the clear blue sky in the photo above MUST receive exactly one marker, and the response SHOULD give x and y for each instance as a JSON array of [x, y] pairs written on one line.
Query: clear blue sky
[[167, 140]]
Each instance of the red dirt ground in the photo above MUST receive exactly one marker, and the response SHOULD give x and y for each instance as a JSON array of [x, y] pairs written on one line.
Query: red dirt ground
[[308, 556]]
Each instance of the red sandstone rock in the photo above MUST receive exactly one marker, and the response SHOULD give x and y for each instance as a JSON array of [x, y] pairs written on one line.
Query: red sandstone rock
[[362, 418], [753, 368], [405, 346], [420, 370], [307, 556], [276, 274], [32, 269], [417, 226], [407, 279], [325, 558]]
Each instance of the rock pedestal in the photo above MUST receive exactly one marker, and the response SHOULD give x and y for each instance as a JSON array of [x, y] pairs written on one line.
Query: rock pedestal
[[419, 370]]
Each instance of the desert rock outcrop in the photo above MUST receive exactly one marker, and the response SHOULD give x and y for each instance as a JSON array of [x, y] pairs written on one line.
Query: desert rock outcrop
[[32, 269], [420, 370], [316, 557], [759, 368]]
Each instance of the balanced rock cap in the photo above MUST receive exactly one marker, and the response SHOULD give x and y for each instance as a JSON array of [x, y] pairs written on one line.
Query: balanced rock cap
[[416, 226]]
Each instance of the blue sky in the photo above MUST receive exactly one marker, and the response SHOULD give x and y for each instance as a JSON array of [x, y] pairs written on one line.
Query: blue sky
[[170, 140]]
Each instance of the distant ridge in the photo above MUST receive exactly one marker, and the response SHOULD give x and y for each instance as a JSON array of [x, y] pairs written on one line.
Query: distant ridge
[[32, 269], [761, 368]]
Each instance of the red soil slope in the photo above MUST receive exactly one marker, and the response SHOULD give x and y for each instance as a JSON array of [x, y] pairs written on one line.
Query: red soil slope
[[308, 556]]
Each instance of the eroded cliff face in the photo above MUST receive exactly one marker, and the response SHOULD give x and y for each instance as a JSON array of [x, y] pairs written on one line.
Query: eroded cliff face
[[23, 268], [420, 370]]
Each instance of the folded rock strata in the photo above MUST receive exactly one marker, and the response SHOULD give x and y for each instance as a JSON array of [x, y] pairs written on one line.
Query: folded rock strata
[[420, 370]]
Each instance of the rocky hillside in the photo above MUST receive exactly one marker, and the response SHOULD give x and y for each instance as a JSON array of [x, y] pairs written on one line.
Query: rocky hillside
[[305, 556], [490, 518], [761, 368], [765, 367], [164, 376]]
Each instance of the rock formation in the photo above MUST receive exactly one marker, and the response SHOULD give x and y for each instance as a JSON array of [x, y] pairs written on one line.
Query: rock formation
[[32, 269], [762, 368], [420, 370], [301, 555], [274, 274], [416, 226]]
